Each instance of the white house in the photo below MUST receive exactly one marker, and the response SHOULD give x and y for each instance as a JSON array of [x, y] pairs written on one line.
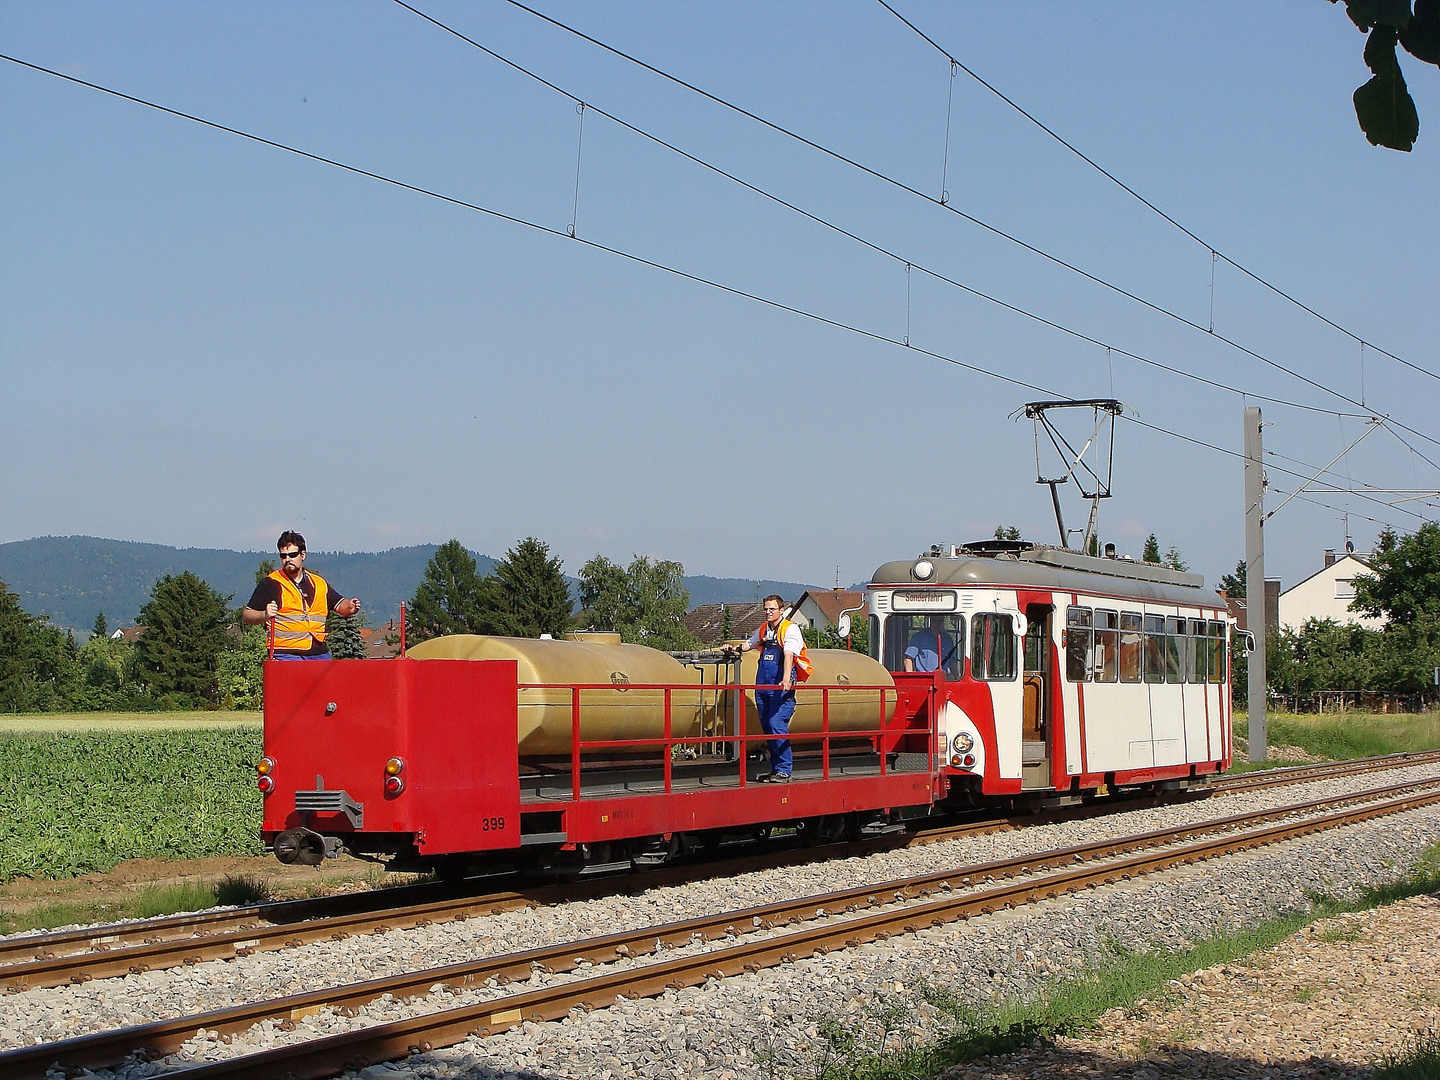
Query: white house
[[822, 607], [1327, 593]]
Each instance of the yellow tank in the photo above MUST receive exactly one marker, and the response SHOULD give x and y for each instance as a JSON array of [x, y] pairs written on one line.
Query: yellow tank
[[839, 669], [618, 713]]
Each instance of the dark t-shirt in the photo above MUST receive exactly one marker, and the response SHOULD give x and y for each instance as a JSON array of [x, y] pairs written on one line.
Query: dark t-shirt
[[269, 589]]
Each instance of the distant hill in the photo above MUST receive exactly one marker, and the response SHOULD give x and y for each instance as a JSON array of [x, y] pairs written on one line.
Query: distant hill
[[734, 590], [71, 578]]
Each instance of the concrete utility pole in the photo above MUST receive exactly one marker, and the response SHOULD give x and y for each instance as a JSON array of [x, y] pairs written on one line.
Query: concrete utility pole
[[1255, 579]]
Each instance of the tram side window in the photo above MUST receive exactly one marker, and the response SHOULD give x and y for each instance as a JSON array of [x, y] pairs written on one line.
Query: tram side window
[[872, 639], [1079, 643], [1174, 649], [1217, 652], [1107, 650], [992, 647], [1199, 654], [926, 641], [1131, 646], [1154, 648]]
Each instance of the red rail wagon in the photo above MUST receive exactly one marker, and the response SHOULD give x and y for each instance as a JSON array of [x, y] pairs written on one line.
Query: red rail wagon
[[1051, 676]]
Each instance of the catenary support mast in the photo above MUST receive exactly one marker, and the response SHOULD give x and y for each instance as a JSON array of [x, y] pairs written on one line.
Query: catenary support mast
[[1255, 579]]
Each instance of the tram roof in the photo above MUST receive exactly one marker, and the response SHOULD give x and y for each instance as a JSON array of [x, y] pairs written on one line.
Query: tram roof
[[1052, 568]]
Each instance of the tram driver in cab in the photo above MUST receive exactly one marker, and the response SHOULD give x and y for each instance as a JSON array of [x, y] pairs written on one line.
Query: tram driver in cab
[[930, 647]]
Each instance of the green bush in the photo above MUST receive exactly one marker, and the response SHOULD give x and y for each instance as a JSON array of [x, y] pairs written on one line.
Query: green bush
[[76, 802]]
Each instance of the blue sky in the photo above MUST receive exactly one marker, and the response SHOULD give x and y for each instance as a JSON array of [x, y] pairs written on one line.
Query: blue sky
[[204, 340]]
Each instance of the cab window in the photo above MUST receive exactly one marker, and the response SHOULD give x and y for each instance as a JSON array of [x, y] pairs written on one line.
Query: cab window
[[925, 642], [992, 647], [1078, 643]]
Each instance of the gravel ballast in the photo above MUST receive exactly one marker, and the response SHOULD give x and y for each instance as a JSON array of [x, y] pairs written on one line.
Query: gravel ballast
[[768, 1023]]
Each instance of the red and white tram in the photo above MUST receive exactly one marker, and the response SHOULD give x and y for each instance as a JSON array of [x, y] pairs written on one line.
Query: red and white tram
[[1060, 673], [1034, 673]]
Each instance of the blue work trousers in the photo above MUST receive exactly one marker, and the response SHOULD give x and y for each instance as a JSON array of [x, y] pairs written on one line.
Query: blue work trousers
[[775, 708]]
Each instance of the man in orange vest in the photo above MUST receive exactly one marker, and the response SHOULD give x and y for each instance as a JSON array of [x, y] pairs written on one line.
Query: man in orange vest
[[783, 663], [297, 602]]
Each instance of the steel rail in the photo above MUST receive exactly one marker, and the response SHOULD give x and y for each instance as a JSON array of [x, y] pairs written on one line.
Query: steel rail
[[1296, 774], [105, 1049], [153, 944], [329, 1055], [304, 916]]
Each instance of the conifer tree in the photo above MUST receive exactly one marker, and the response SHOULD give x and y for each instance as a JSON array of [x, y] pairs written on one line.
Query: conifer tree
[[14, 689], [1152, 550], [342, 636], [184, 636], [531, 591], [450, 598], [102, 627]]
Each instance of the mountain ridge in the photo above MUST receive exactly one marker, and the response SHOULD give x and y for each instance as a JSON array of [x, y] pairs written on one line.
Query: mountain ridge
[[72, 578]]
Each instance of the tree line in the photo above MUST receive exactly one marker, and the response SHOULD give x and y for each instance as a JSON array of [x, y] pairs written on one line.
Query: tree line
[[194, 652], [526, 595]]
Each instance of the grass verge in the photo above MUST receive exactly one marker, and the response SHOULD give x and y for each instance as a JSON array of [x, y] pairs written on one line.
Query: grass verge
[[877, 1049], [1337, 736], [236, 890], [1422, 1062]]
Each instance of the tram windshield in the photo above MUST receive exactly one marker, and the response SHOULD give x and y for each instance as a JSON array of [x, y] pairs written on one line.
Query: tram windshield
[[926, 643]]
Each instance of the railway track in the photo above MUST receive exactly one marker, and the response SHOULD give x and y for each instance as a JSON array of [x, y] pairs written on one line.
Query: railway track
[[830, 921], [1329, 770], [43, 960]]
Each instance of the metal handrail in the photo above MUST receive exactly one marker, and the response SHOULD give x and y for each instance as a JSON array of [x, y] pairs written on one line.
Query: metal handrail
[[668, 741]]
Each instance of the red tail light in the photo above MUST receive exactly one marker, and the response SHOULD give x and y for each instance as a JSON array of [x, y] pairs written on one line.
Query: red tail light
[[394, 782]]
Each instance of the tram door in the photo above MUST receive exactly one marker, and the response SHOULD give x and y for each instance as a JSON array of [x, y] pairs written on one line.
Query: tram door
[[1038, 709]]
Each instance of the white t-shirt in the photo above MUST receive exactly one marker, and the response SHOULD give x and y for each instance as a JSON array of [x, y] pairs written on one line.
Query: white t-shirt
[[793, 643]]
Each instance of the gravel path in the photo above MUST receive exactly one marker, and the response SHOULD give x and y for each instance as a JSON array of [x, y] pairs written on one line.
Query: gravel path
[[1329, 1002], [767, 1024]]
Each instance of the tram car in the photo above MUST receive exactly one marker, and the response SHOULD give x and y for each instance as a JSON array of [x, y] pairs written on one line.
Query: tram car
[[999, 673]]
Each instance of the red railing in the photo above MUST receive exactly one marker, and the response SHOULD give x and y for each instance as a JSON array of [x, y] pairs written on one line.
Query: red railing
[[743, 740]]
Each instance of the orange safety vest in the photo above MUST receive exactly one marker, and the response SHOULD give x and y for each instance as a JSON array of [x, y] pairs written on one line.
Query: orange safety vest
[[802, 668], [296, 624]]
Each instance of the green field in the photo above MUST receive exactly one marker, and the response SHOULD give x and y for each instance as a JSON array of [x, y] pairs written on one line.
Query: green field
[[126, 721], [84, 791], [77, 801]]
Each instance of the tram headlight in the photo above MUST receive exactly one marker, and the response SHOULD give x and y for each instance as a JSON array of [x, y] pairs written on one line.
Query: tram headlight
[[922, 570], [963, 743]]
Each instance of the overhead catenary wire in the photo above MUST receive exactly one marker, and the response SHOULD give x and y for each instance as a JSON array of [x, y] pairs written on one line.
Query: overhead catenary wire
[[908, 263], [917, 193], [1252, 275], [641, 260]]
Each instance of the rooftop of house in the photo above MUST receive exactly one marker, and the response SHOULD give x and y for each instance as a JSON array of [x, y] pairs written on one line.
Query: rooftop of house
[[708, 620]]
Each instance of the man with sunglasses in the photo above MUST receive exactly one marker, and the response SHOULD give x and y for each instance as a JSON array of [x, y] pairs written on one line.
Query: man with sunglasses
[[297, 602]]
